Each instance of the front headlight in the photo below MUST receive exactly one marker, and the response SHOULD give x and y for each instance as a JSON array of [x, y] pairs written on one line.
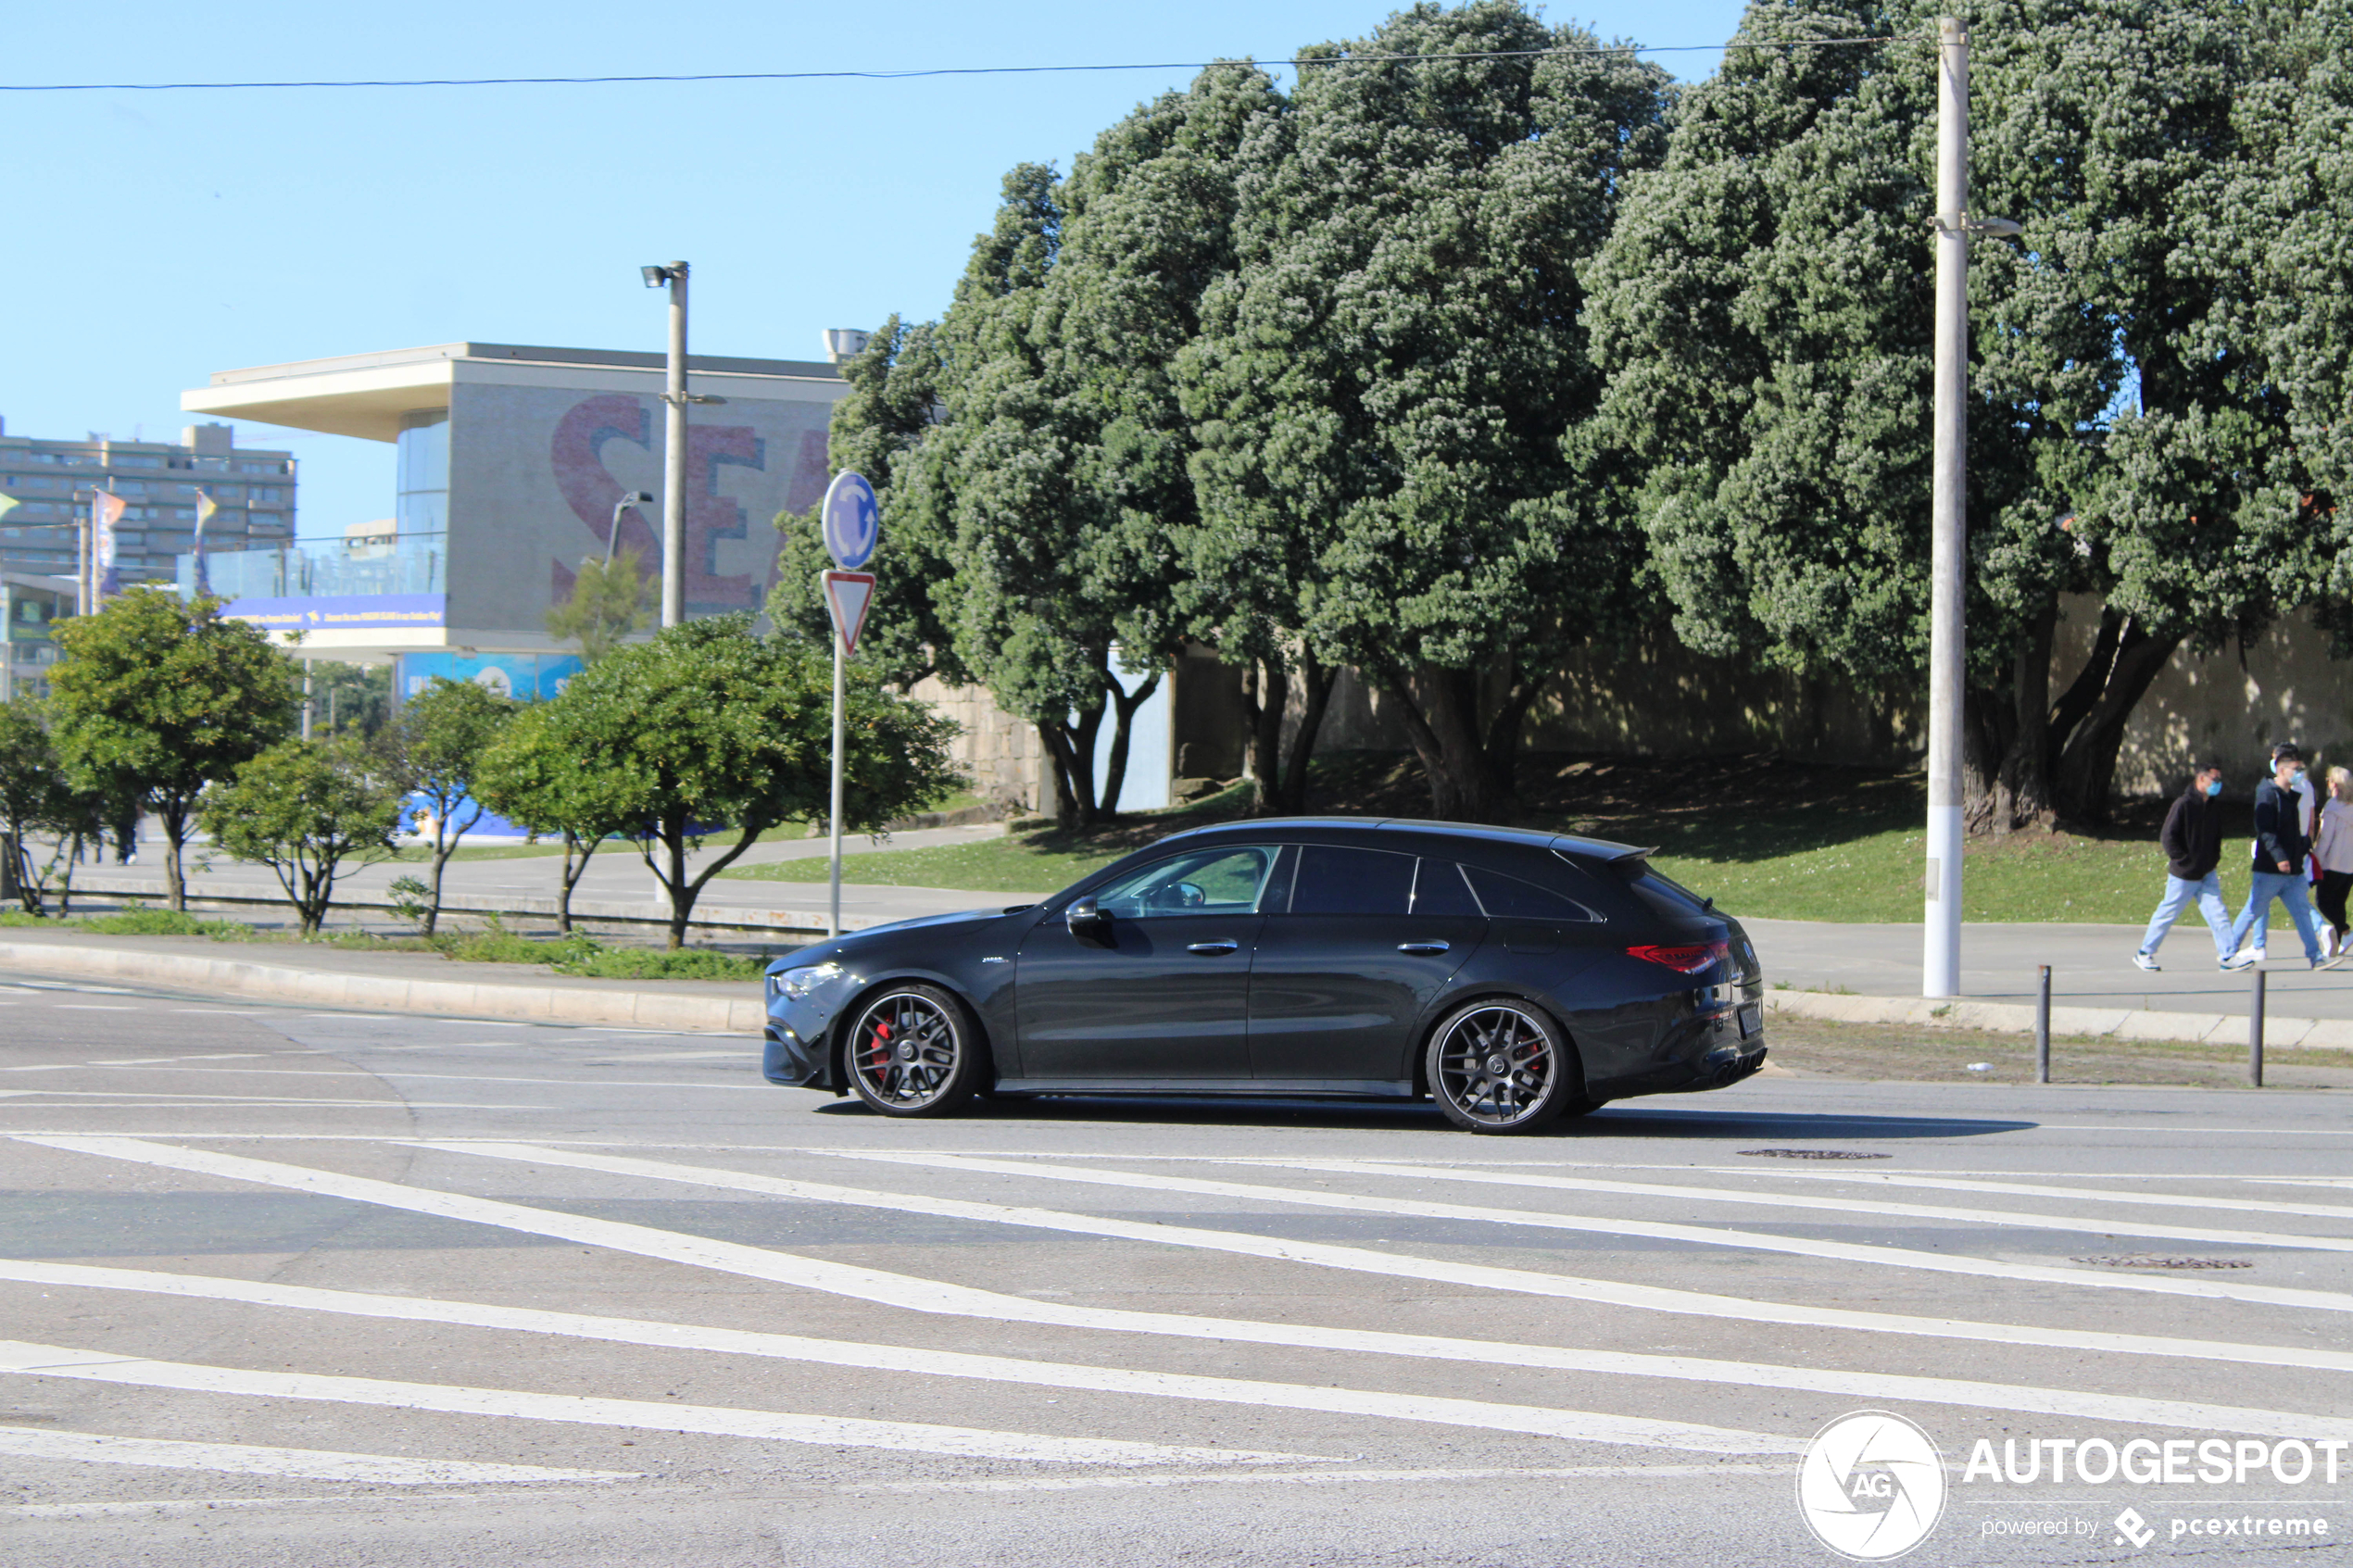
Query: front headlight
[[798, 982]]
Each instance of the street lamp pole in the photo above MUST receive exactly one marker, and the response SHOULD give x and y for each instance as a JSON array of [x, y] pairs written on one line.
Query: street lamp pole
[[673, 464], [612, 535], [1948, 637]]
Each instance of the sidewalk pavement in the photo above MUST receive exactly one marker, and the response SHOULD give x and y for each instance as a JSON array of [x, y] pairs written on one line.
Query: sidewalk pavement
[[1871, 973]]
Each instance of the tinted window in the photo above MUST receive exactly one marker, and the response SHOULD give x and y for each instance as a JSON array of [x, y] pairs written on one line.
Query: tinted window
[[1439, 890], [1208, 882], [1352, 882], [1508, 897]]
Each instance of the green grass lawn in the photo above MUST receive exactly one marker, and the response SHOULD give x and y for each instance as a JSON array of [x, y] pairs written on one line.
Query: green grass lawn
[[1767, 839]]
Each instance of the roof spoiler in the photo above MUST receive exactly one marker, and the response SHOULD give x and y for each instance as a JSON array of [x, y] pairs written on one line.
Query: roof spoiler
[[1628, 852]]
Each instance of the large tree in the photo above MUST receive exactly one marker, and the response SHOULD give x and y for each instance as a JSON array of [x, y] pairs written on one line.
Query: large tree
[[308, 809], [157, 697], [1762, 313], [1389, 387], [1057, 590]]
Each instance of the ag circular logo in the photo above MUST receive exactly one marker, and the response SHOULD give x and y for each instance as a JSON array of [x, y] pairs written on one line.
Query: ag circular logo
[[1871, 1485], [850, 521]]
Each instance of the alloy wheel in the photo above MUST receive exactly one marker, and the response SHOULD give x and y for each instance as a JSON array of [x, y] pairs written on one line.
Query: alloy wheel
[[1496, 1067], [907, 1053]]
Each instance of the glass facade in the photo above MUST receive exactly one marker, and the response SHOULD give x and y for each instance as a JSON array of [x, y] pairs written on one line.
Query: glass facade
[[421, 504], [416, 563]]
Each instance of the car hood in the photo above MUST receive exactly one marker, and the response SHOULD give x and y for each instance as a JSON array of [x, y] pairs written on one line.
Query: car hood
[[848, 945]]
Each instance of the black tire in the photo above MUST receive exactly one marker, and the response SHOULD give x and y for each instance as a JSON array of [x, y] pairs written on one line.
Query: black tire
[[1502, 1066], [914, 1050]]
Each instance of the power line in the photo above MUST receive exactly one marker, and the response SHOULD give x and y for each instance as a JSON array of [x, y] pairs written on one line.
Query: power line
[[1299, 63]]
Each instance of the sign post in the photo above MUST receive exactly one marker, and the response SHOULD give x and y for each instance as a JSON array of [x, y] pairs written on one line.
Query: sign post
[[851, 523]]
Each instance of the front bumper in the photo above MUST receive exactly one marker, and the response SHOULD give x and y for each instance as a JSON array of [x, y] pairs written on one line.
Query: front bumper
[[787, 1059]]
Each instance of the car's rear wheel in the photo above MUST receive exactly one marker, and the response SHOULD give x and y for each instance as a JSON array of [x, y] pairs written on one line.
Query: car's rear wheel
[[1502, 1067], [913, 1051]]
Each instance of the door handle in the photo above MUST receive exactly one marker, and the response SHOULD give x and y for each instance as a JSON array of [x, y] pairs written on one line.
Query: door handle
[[1212, 946], [1423, 949]]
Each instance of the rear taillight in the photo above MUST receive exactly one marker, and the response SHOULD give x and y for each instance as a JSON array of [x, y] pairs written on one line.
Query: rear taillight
[[1689, 959]]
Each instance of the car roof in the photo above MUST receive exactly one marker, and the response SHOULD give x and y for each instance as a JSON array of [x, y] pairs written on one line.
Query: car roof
[[1479, 833]]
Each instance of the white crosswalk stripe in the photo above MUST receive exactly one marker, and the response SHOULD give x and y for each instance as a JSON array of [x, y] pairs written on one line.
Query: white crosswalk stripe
[[1362, 1381]]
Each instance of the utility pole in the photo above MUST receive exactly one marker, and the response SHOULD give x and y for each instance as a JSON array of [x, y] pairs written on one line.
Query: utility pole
[[673, 458], [1940, 957]]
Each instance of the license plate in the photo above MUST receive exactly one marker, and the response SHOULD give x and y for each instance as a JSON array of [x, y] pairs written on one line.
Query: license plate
[[1752, 1020]]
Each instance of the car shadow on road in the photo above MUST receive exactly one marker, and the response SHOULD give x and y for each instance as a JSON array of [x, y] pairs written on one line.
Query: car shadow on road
[[1642, 1120]]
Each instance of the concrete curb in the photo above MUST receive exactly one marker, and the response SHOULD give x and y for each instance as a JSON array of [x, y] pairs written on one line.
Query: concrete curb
[[2188, 1028], [541, 1004]]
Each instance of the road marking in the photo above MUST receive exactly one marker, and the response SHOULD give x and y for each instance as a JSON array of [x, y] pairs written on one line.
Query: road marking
[[1314, 1477], [1685, 1191], [225, 1013], [746, 1056], [216, 1056], [97, 1366], [1489, 1415], [388, 1071], [173, 1096], [176, 1505], [914, 1294], [93, 1007], [317, 1464], [1420, 1268], [2088, 1195]]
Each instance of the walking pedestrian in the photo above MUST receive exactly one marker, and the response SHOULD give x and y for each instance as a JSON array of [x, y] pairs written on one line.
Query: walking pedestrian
[[2280, 848], [2333, 846], [2306, 810], [2192, 839]]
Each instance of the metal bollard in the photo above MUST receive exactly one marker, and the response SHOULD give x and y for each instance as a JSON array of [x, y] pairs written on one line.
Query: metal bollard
[[2255, 1032], [2043, 1029]]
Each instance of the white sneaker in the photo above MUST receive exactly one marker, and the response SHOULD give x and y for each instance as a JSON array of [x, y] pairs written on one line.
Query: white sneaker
[[2241, 960], [2148, 962]]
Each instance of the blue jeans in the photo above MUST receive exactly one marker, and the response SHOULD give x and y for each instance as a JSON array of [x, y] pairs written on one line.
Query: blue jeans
[[2179, 894], [2289, 888]]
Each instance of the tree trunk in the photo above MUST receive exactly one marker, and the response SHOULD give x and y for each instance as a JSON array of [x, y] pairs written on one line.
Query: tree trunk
[[1124, 707], [1503, 731], [1265, 692], [674, 883], [1442, 719], [2022, 787], [573, 870], [2087, 770], [1070, 745], [1318, 681], [174, 815]]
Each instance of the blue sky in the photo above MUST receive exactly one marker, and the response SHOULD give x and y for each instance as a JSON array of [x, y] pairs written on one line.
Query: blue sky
[[157, 237]]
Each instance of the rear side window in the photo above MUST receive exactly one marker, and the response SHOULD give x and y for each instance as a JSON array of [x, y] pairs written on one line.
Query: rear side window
[[1439, 889], [1352, 882], [1508, 897], [1663, 894]]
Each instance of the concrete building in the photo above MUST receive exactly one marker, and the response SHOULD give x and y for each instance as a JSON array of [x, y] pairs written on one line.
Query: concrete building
[[512, 460], [30, 604], [52, 483]]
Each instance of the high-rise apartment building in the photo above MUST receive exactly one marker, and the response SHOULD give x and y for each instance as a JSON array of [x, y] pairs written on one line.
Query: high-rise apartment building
[[159, 482]]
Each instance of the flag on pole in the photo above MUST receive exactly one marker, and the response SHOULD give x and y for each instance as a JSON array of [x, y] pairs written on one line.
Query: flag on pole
[[8, 503], [206, 506], [105, 510]]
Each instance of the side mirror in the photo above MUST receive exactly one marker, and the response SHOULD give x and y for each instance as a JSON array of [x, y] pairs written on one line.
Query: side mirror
[[1086, 919]]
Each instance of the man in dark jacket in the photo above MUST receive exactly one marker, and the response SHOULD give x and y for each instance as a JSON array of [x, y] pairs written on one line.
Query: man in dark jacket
[[2193, 843], [2280, 849]]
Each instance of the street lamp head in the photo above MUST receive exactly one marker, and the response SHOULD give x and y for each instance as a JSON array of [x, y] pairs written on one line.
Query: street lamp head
[[655, 276], [637, 498]]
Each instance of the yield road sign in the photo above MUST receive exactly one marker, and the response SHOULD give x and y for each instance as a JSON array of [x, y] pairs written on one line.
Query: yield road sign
[[850, 521], [848, 595]]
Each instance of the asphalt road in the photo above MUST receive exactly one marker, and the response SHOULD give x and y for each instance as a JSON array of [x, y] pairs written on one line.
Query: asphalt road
[[282, 1287]]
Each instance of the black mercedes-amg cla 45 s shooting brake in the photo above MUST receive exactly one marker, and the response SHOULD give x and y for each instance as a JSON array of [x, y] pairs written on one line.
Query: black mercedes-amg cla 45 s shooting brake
[[1513, 977]]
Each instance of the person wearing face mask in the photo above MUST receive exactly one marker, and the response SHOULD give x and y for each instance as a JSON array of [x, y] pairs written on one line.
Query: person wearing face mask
[[2307, 807], [2192, 839], [2280, 849], [2333, 846]]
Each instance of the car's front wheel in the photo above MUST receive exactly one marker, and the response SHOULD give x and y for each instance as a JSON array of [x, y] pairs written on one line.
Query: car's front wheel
[[913, 1051], [1502, 1067]]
